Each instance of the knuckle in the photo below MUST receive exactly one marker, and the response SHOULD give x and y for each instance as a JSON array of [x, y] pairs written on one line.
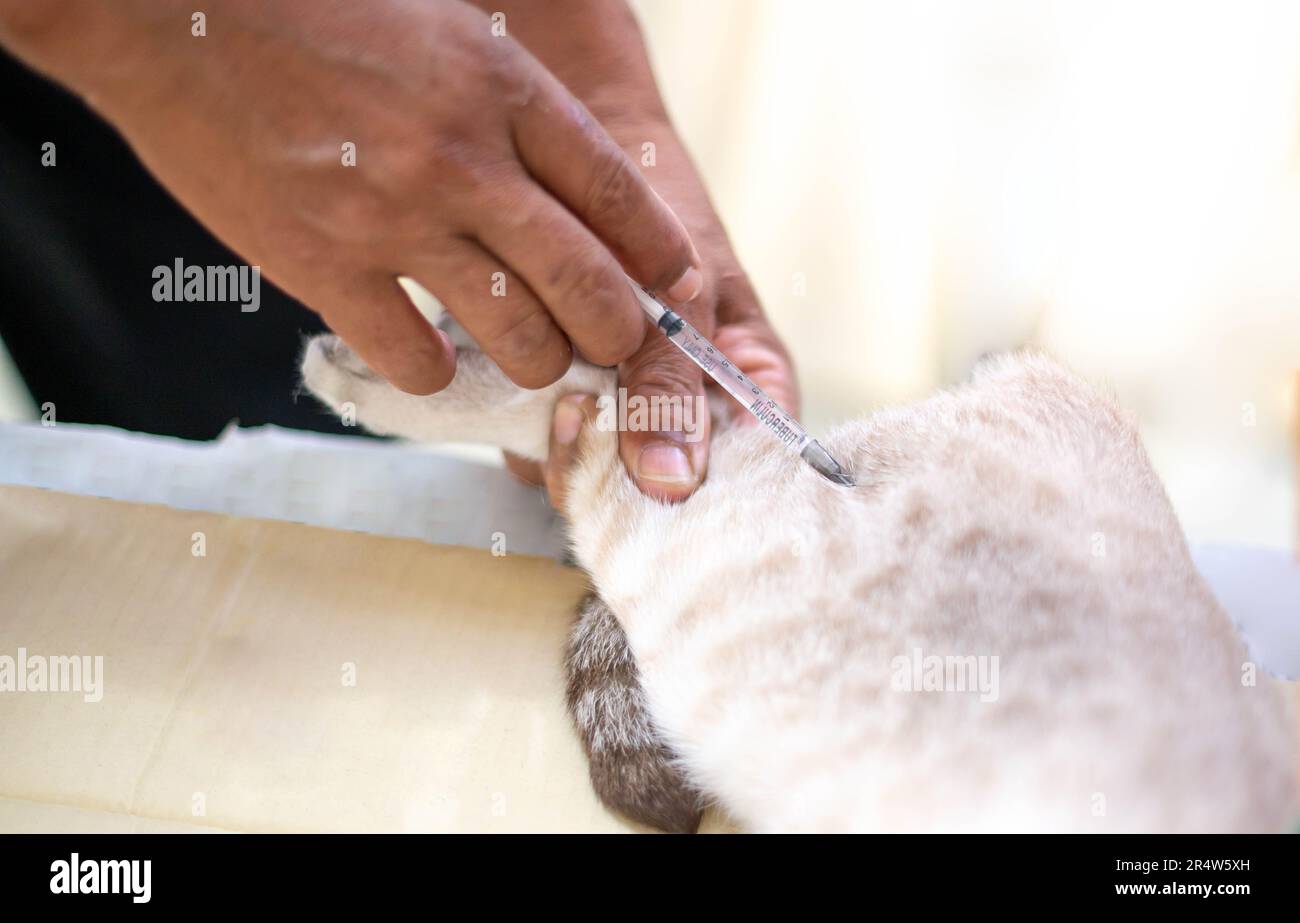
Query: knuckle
[[408, 162], [613, 191], [529, 349], [621, 207], [549, 369], [599, 356], [497, 62], [511, 83], [417, 373], [663, 380], [674, 256], [656, 371], [508, 203], [626, 339], [518, 336], [583, 279], [543, 368], [610, 349], [450, 161]]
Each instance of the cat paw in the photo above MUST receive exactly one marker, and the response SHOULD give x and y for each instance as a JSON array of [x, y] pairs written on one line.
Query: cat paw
[[632, 770], [328, 352], [333, 372]]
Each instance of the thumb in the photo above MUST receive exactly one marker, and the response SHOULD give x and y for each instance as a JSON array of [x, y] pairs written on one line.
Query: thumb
[[663, 421]]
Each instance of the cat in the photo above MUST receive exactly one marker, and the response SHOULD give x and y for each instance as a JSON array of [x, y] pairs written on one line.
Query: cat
[[997, 628]]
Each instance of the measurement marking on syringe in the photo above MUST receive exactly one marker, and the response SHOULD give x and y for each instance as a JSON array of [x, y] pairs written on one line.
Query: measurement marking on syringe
[[686, 338], [779, 427]]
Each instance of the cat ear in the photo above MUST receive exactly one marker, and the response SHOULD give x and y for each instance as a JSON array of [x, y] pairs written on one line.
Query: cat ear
[[480, 405]]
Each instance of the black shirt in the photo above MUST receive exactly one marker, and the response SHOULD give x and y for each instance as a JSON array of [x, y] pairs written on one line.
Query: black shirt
[[81, 240]]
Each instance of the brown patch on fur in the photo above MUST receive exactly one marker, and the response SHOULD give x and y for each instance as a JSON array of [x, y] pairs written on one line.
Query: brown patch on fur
[[1047, 498], [632, 770], [971, 542], [918, 513], [879, 581]]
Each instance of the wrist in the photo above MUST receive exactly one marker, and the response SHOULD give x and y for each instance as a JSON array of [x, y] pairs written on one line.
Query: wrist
[[38, 33], [79, 43], [26, 25], [594, 47]]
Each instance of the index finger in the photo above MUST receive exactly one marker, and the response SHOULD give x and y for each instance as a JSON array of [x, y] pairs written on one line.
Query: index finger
[[567, 151]]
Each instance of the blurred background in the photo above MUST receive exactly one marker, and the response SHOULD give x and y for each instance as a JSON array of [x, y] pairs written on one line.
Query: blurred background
[[913, 185]]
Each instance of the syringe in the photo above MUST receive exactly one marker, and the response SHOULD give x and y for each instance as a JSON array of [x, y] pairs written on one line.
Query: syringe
[[738, 385]]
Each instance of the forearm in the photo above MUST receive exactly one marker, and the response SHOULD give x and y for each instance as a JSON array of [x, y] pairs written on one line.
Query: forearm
[[38, 33], [594, 47], [88, 46]]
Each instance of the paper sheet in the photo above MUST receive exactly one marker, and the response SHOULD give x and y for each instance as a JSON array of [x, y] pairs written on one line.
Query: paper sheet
[[448, 495]]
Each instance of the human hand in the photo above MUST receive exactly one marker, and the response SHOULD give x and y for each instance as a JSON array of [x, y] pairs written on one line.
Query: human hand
[[472, 160], [664, 463], [670, 464], [596, 48]]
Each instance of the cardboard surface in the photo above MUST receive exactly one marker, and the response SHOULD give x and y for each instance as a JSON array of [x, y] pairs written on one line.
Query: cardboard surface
[[226, 702]]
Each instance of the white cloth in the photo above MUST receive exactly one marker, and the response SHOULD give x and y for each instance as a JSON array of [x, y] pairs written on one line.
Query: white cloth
[[446, 496]]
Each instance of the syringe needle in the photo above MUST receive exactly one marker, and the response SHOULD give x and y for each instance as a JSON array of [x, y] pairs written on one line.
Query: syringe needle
[[739, 386], [814, 454]]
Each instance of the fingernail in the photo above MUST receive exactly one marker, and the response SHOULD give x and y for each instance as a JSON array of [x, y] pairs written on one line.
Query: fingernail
[[568, 419], [666, 464], [688, 286]]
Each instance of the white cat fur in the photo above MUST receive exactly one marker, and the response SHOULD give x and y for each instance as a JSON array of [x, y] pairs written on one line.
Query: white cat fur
[[1016, 517]]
